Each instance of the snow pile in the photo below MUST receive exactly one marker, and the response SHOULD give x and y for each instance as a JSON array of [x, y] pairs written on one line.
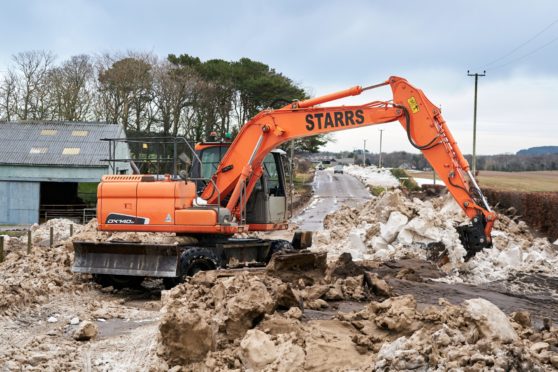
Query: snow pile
[[515, 250], [476, 336], [392, 226], [372, 176]]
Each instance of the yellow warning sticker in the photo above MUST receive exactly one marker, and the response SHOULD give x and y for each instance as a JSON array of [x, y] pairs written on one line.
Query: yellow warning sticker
[[413, 104]]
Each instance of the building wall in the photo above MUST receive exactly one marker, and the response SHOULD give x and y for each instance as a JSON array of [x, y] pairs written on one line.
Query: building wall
[[19, 202], [51, 174]]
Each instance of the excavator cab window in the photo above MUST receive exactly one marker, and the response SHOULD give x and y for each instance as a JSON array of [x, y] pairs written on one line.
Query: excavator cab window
[[211, 157], [273, 174]]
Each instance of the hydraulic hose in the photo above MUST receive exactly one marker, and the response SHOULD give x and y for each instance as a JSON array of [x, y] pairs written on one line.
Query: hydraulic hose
[[429, 145]]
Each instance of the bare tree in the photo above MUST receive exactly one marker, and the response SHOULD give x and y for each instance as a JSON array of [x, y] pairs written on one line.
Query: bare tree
[[70, 87], [8, 96], [32, 68]]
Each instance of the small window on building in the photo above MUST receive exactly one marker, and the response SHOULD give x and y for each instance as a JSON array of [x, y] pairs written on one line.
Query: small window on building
[[80, 133], [49, 132], [71, 151], [38, 150]]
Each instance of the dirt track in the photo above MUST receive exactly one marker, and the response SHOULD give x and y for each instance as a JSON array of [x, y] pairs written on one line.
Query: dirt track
[[330, 192]]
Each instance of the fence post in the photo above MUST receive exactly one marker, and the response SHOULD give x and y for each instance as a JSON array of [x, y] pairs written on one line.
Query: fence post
[[51, 237], [1, 249], [71, 230], [29, 241]]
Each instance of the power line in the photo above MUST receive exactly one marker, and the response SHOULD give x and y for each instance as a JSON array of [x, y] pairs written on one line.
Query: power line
[[522, 44], [525, 55]]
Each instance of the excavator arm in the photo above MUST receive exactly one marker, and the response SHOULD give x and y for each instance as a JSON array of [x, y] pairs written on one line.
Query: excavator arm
[[241, 167]]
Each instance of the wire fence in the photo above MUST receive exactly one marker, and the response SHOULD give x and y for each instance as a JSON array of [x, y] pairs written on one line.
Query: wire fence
[[81, 215]]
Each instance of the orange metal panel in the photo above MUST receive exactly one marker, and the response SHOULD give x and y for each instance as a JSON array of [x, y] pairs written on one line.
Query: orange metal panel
[[184, 194], [268, 226], [116, 198], [196, 217]]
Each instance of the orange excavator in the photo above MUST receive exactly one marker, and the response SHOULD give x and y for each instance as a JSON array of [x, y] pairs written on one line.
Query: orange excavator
[[239, 186]]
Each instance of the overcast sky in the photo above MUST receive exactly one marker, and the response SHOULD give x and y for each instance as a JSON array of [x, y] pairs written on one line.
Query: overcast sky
[[330, 45]]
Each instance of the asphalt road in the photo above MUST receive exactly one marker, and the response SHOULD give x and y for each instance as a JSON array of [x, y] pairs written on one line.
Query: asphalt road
[[330, 192]]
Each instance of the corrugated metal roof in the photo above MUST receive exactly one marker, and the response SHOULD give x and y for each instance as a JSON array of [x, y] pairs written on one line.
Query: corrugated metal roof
[[18, 139]]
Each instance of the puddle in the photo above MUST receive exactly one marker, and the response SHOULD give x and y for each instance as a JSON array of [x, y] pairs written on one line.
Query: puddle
[[116, 327]]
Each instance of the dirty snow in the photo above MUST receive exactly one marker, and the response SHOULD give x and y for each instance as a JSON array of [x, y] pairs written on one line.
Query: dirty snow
[[392, 226], [372, 176]]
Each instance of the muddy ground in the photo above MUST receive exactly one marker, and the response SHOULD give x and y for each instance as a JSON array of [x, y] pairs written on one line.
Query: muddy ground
[[396, 308]]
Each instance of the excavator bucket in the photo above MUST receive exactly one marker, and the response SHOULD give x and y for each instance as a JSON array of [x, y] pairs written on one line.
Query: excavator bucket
[[130, 259], [473, 237]]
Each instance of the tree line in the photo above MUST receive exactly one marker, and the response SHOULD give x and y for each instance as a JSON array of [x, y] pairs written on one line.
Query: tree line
[[501, 162], [176, 96]]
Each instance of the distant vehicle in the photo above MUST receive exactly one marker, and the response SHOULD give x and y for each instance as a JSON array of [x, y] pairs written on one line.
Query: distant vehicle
[[338, 169], [320, 166]]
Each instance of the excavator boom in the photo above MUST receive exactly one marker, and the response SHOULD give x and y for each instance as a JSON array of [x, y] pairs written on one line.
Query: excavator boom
[[422, 121]]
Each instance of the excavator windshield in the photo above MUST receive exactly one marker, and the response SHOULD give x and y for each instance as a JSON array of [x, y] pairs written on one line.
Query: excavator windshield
[[210, 158]]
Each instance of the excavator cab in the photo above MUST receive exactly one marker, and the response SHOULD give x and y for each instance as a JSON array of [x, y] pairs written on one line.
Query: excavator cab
[[267, 205]]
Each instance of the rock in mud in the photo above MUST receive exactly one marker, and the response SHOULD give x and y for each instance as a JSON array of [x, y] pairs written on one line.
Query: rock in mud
[[188, 336], [522, 318], [294, 312], [257, 349], [85, 331], [344, 267], [74, 321], [378, 286], [306, 266], [245, 307], [396, 314], [491, 321]]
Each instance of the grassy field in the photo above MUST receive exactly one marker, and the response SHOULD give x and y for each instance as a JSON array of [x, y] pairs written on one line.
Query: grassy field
[[512, 181]]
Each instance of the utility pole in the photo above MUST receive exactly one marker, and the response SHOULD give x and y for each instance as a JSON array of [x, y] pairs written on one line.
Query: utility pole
[[380, 161], [364, 154], [476, 75]]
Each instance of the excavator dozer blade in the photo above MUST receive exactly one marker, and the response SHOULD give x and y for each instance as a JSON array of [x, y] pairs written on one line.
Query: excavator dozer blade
[[292, 265], [120, 258]]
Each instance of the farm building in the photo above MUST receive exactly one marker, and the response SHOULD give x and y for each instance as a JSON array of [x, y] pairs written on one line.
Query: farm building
[[51, 169]]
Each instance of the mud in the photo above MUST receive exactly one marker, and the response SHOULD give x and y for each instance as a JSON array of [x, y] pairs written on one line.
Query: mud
[[30, 279], [200, 328], [211, 313]]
